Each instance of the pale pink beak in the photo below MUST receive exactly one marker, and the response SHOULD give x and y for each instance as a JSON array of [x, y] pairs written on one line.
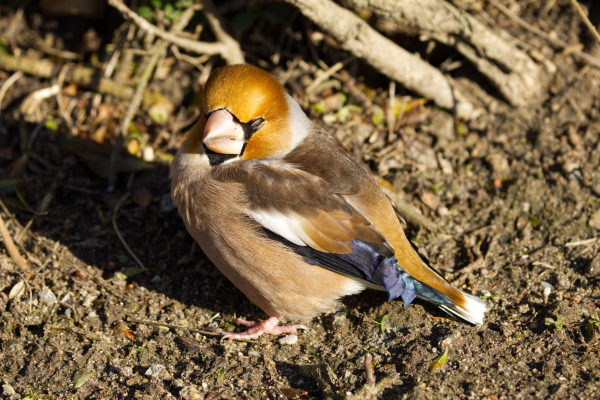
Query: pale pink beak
[[222, 134]]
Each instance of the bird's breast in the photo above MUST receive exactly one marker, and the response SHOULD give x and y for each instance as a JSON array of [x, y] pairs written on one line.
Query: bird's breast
[[272, 276]]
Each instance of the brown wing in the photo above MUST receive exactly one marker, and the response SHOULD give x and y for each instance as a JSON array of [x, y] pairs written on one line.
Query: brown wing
[[301, 207], [322, 156]]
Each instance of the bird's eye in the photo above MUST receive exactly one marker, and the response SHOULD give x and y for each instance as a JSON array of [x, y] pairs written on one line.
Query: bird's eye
[[256, 123]]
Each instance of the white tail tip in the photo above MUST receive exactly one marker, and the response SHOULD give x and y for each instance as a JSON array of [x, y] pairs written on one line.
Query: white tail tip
[[473, 310]]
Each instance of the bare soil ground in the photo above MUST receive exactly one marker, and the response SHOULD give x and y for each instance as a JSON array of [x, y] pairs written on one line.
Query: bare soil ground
[[515, 196]]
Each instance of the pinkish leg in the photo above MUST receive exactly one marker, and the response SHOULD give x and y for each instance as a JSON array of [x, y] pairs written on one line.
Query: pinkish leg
[[256, 329]]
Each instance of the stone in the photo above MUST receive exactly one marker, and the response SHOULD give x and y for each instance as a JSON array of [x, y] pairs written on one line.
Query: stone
[[289, 339], [47, 296]]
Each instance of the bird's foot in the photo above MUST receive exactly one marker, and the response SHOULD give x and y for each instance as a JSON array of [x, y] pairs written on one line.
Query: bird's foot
[[256, 329]]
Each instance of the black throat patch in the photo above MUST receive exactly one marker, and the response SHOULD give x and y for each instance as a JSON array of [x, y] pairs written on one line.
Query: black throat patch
[[217, 158]]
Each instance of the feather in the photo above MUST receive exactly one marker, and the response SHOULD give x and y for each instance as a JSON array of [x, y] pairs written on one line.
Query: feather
[[300, 207]]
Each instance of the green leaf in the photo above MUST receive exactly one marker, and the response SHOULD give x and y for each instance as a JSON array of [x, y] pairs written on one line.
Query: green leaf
[[461, 128], [51, 124], [243, 21], [156, 3], [378, 116], [344, 112], [534, 221], [80, 378], [133, 132], [146, 13], [165, 157], [439, 362], [130, 272], [171, 12], [119, 276]]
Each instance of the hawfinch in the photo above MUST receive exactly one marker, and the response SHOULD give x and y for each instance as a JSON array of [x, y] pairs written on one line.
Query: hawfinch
[[288, 214]]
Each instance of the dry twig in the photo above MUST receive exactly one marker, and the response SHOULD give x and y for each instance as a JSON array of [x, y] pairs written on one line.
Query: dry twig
[[226, 46], [59, 97], [118, 232], [7, 84], [321, 78], [161, 324], [74, 329], [557, 43], [369, 370], [10, 246], [585, 18], [581, 242]]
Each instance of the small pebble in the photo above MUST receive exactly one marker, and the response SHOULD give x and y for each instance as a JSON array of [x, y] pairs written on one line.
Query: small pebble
[[148, 154], [547, 288], [154, 370], [47, 296], [594, 221], [289, 339], [17, 290], [569, 167], [8, 390], [127, 371]]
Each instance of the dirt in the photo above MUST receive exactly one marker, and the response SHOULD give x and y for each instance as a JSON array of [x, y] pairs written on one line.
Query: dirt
[[515, 196]]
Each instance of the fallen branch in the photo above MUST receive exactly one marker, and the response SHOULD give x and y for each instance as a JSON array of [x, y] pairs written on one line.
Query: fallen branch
[[355, 35], [83, 76], [511, 71], [226, 46]]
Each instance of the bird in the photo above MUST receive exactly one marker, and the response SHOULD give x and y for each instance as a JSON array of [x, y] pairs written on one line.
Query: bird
[[288, 214]]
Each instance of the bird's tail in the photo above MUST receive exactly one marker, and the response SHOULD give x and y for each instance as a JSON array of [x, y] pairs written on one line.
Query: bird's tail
[[399, 283], [428, 285]]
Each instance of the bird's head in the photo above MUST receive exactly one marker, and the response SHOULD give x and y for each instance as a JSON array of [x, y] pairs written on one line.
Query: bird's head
[[248, 115]]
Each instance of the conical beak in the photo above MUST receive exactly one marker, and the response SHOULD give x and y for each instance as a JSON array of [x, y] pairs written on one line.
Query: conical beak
[[222, 134]]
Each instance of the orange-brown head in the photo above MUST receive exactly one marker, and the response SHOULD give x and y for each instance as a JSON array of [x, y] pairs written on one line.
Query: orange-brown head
[[249, 114]]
